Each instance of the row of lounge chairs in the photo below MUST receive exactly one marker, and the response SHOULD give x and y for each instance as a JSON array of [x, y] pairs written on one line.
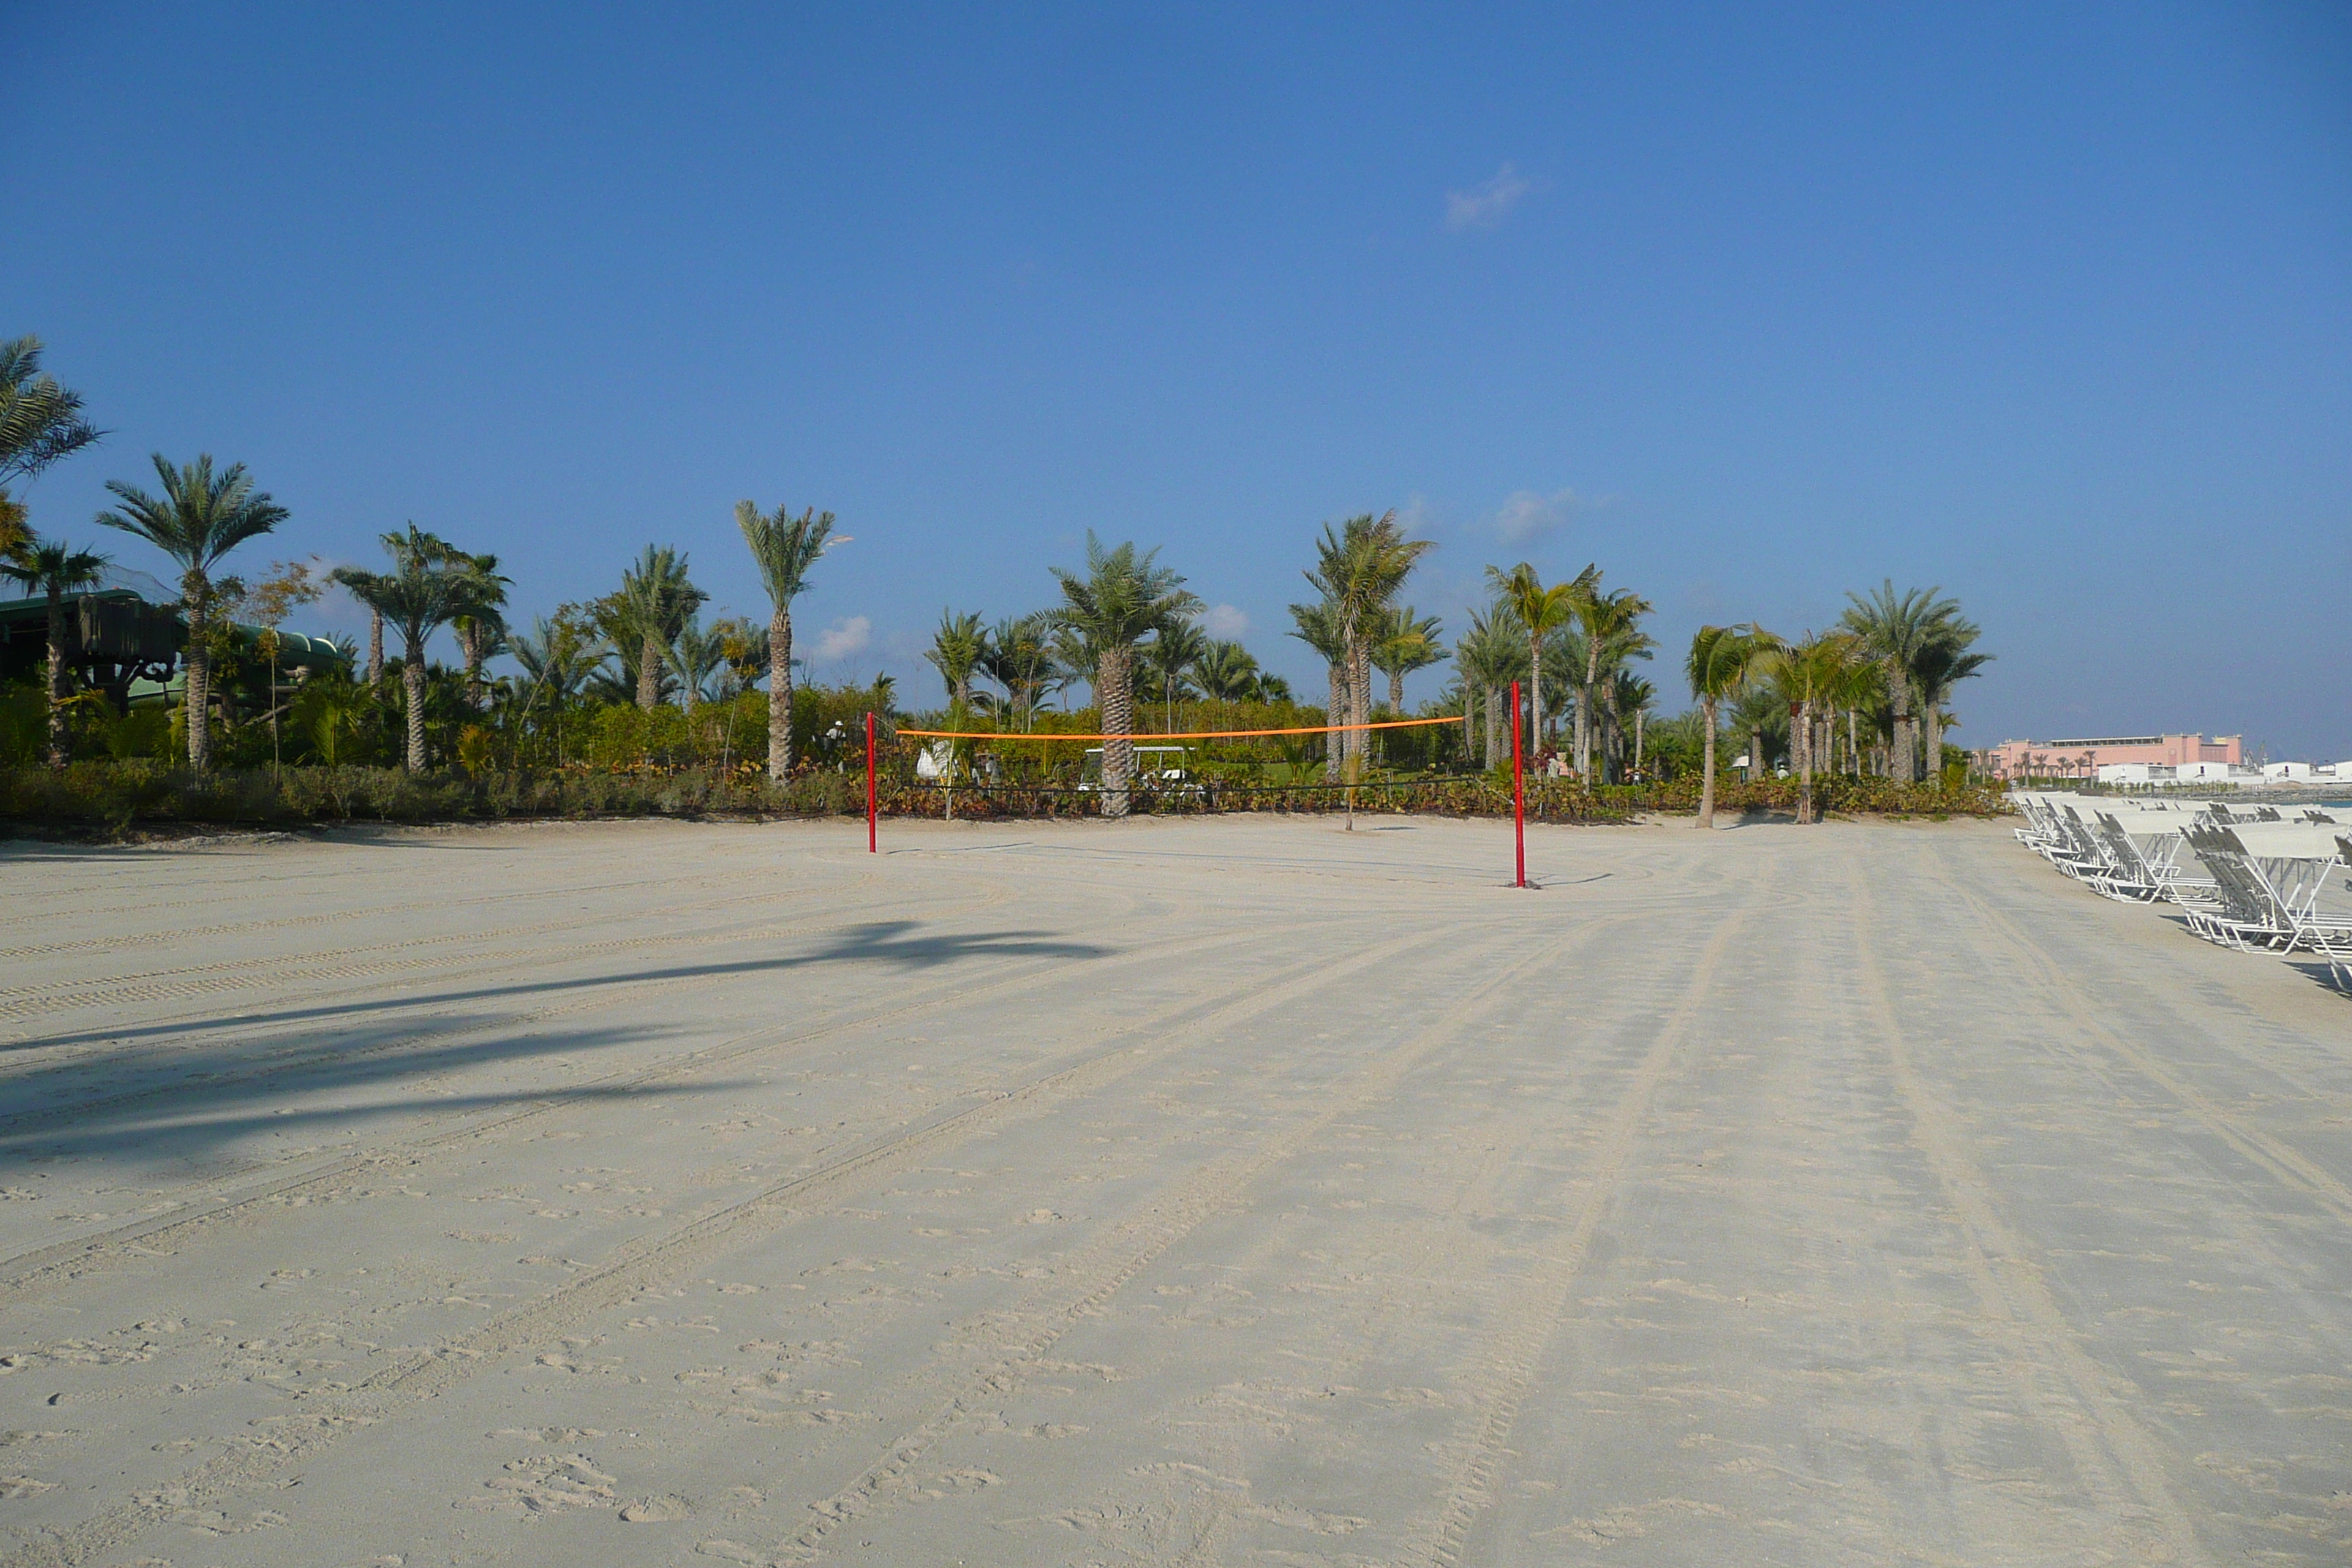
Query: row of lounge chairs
[[2243, 899]]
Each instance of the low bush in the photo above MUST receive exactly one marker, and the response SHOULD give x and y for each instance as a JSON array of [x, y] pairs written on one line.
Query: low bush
[[119, 795]]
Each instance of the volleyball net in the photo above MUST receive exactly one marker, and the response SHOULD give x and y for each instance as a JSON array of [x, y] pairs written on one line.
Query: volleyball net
[[1122, 781], [1150, 762]]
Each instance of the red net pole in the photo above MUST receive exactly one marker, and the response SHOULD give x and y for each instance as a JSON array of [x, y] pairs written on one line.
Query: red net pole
[[869, 782], [1519, 792]]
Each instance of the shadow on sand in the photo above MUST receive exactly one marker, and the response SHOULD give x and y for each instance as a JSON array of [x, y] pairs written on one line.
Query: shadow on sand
[[183, 1106]]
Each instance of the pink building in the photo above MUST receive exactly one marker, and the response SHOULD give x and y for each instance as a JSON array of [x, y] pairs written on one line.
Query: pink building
[[2083, 759]]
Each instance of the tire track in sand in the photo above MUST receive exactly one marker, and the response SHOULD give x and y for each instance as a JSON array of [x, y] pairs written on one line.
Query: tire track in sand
[[2126, 1464], [654, 1261], [1019, 1339], [1532, 1310], [2289, 1166]]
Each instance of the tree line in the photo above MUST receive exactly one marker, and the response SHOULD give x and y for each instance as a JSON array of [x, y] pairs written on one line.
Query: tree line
[[1869, 695]]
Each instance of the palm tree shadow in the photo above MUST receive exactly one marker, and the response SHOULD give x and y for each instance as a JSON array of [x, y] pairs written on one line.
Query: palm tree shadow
[[197, 1142], [189, 1110], [885, 943], [199, 1107]]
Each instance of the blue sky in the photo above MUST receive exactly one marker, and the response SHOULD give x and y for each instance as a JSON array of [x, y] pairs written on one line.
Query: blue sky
[[2049, 305]]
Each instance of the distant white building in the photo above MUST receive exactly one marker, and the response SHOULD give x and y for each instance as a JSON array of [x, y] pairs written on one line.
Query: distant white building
[[2245, 776]]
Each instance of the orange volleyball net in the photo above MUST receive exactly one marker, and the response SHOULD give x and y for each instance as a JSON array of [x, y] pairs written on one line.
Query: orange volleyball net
[[1123, 790]]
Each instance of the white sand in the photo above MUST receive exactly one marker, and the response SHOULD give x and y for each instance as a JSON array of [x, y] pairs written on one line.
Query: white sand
[[1242, 1191]]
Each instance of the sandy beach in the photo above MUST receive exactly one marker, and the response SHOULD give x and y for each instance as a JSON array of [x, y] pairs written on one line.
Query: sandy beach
[[1242, 1191]]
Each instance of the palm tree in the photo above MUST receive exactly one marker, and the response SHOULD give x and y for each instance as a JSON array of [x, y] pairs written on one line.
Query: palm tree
[[1227, 672], [1943, 663], [1319, 628], [785, 548], [1360, 567], [957, 651], [1122, 598], [343, 577], [695, 655], [197, 521], [1858, 683], [482, 629], [1407, 642], [1608, 712], [429, 585], [1722, 662], [1611, 626], [1808, 675], [1894, 627], [1172, 655], [52, 567], [1489, 657], [1020, 658], [40, 421], [655, 598], [1539, 611], [559, 656], [1628, 693]]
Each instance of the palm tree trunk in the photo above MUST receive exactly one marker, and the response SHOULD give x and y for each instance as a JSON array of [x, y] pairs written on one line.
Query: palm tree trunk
[[473, 637], [375, 648], [649, 663], [1584, 703], [412, 677], [1494, 725], [1578, 746], [1534, 695], [1706, 774], [1359, 707], [1756, 766], [779, 696], [1800, 759], [1334, 757], [1469, 735], [1114, 688], [1852, 743], [1931, 725], [1641, 716], [196, 593], [57, 676], [1906, 750]]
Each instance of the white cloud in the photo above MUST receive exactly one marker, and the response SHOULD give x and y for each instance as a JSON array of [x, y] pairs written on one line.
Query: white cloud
[[1526, 514], [1484, 206], [843, 638], [1416, 517], [1224, 621]]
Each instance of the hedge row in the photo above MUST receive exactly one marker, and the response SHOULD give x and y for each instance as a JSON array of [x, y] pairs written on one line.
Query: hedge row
[[117, 795]]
